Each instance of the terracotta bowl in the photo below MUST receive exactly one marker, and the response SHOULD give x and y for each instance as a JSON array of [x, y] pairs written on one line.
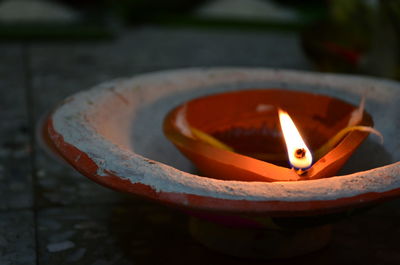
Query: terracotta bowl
[[113, 135], [247, 121]]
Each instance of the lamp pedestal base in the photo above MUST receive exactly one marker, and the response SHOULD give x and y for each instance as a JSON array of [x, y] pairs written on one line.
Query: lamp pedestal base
[[259, 243]]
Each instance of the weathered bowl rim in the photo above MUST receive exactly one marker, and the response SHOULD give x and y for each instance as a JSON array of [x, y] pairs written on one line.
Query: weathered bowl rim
[[76, 139]]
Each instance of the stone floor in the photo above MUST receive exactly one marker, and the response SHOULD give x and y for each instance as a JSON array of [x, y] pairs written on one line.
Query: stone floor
[[49, 214]]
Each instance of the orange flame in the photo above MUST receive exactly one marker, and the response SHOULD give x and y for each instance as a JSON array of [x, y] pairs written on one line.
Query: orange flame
[[299, 155]]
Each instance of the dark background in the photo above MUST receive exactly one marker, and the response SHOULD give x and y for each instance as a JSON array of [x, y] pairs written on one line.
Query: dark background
[[49, 214]]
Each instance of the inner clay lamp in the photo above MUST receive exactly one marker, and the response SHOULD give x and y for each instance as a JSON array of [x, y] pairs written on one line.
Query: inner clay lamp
[[247, 122], [246, 125], [245, 206]]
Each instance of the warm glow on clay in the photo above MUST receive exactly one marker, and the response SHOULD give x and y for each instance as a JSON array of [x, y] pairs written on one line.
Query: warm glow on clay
[[299, 155]]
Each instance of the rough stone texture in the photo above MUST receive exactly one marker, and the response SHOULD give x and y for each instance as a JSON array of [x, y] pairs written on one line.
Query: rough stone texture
[[17, 241], [362, 239], [79, 235], [145, 233], [15, 176], [133, 231], [136, 233]]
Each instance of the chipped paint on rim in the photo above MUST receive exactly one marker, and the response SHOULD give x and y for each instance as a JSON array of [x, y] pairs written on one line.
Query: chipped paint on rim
[[98, 121]]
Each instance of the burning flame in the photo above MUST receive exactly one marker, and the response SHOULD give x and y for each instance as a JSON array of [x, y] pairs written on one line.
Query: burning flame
[[299, 155]]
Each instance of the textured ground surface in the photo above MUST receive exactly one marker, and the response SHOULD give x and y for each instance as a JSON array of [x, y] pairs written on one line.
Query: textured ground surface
[[49, 214]]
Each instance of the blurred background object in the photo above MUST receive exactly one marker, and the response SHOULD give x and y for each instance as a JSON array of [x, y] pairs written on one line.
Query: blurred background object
[[349, 36], [52, 20], [235, 14], [356, 36]]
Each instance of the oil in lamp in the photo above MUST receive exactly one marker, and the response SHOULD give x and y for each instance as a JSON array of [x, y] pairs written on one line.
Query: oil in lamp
[[227, 136]]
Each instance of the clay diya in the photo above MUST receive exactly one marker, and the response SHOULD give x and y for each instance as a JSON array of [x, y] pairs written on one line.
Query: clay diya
[[246, 124], [113, 135]]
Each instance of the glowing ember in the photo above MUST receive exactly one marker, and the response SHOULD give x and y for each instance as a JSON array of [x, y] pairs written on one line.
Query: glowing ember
[[299, 155]]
